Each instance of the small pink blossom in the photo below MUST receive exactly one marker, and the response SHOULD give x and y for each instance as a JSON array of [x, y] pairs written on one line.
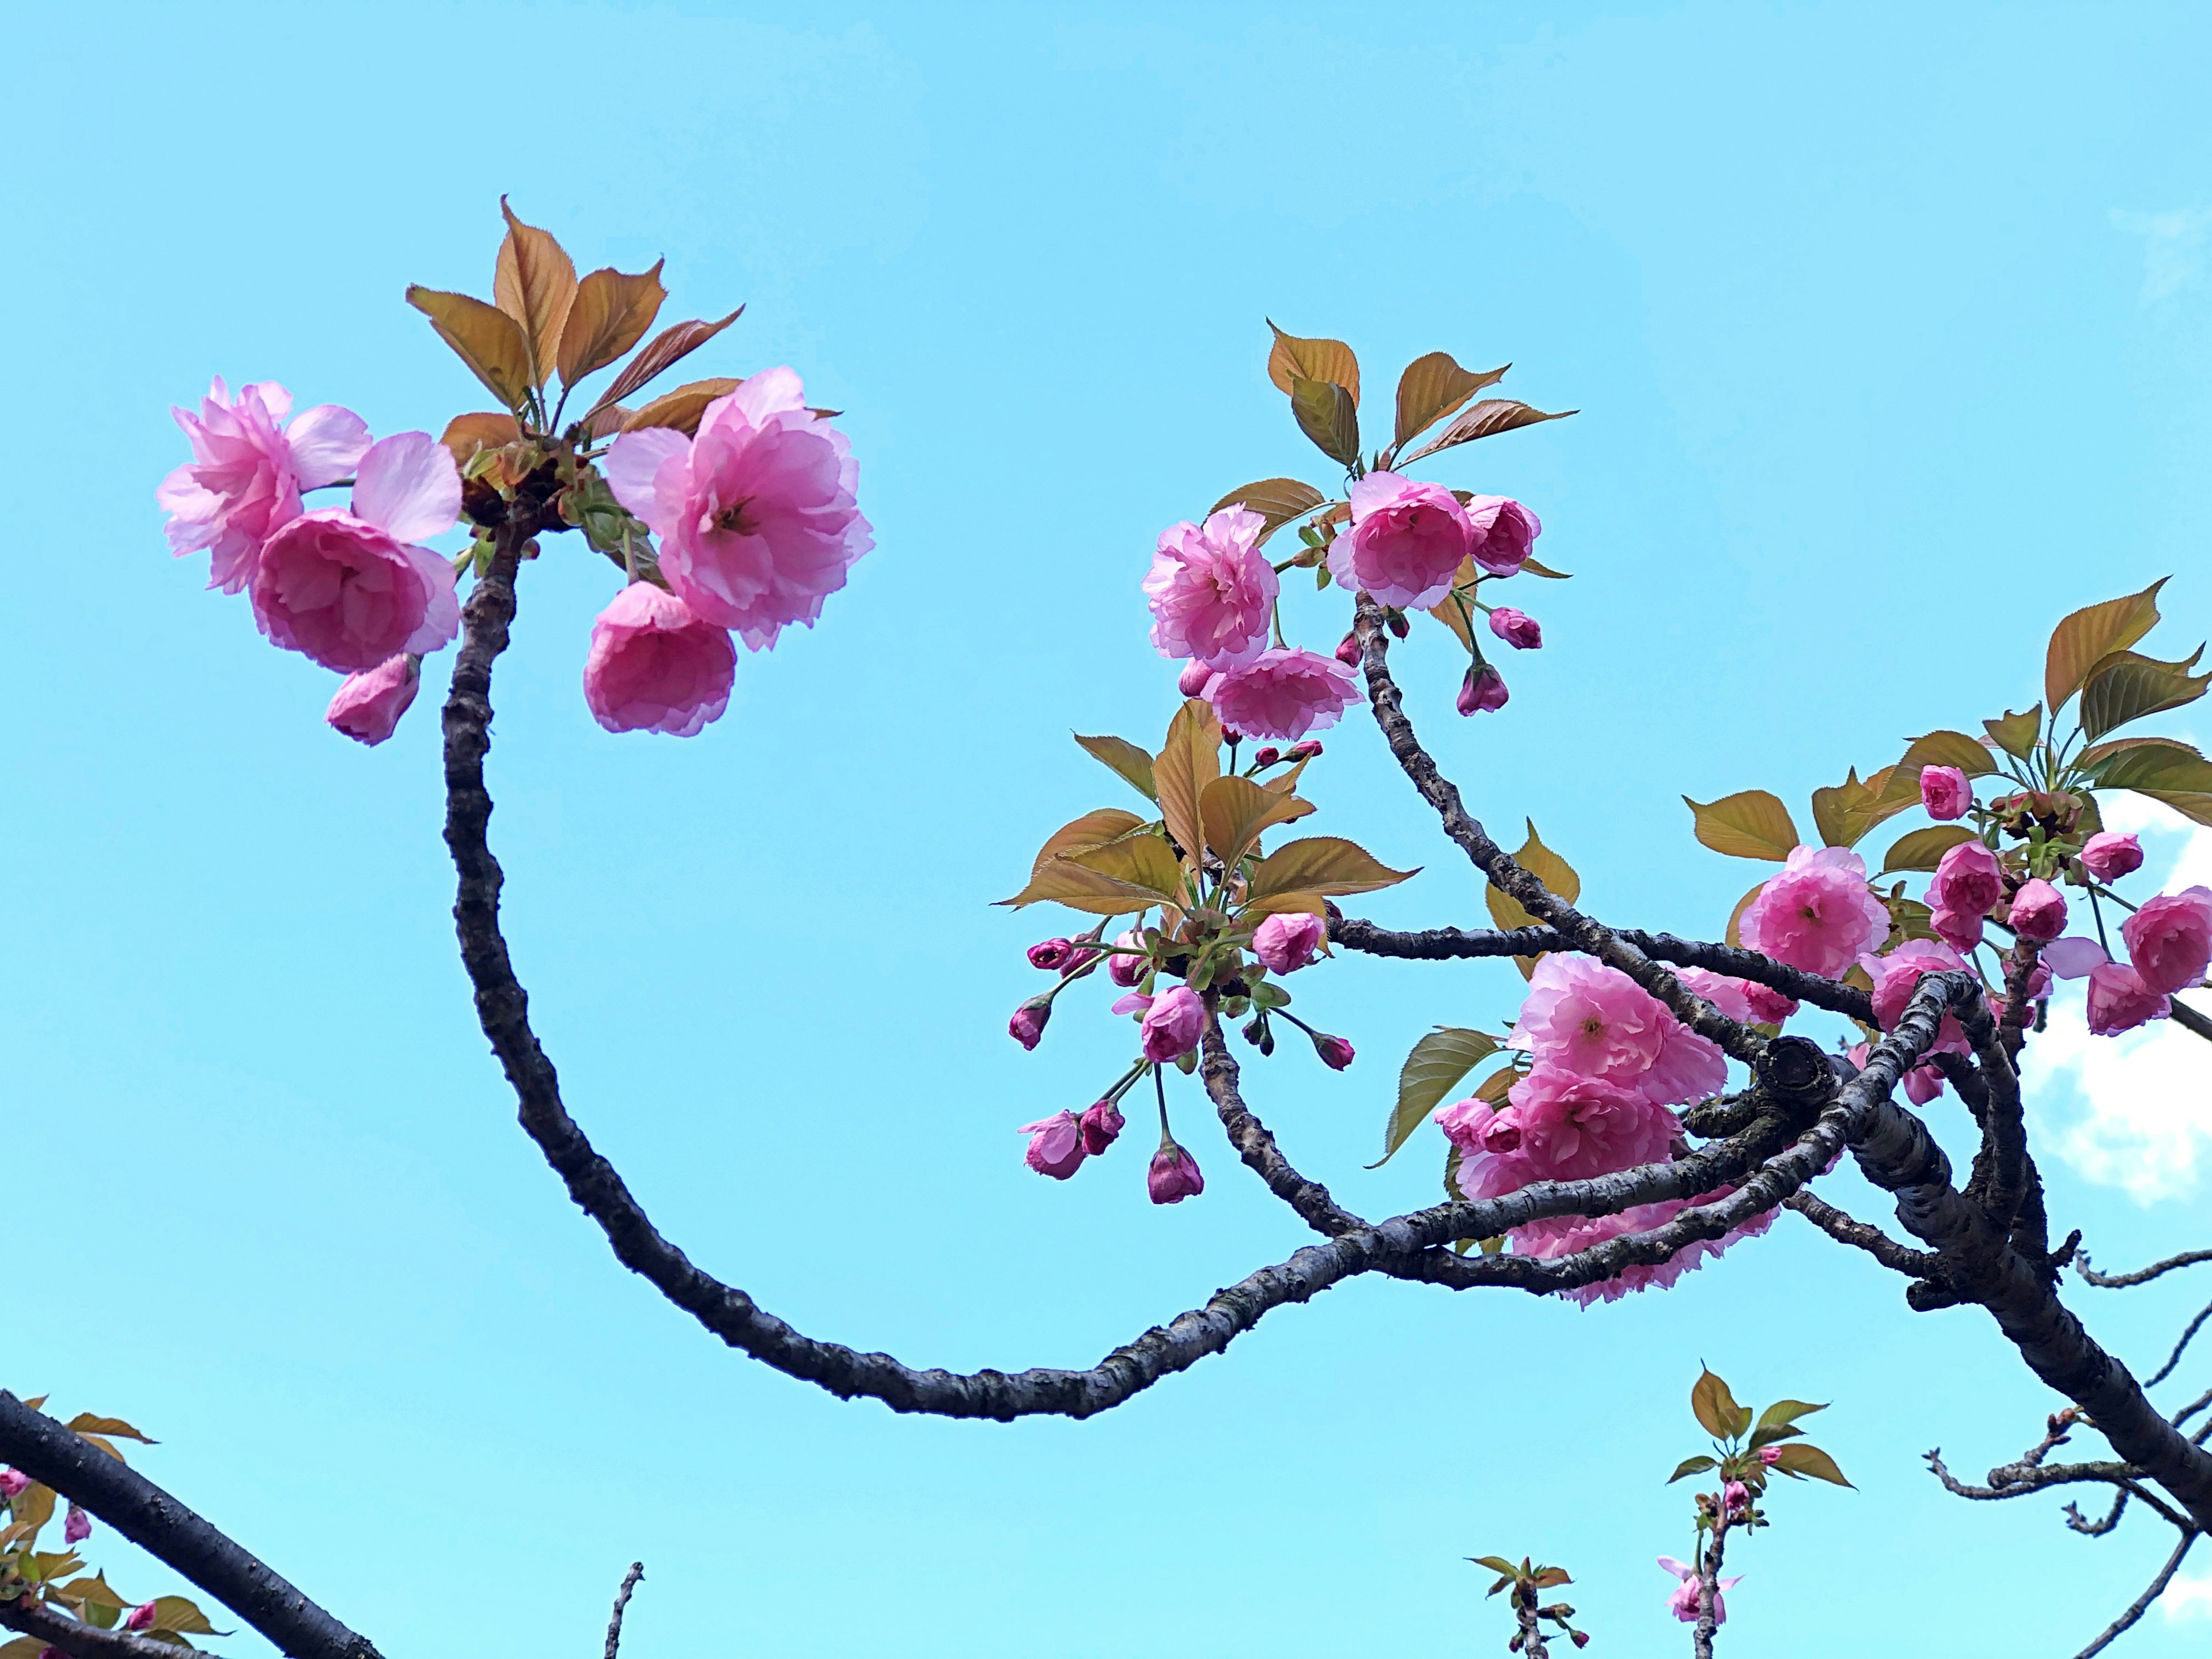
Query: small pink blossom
[[1405, 542], [1052, 954], [142, 1617], [353, 589], [1589, 1019], [1895, 975], [1483, 691], [2120, 1001], [2108, 855], [1211, 590], [757, 514], [368, 705], [1126, 970], [13, 1483], [1683, 1601], [1969, 881], [1194, 679], [1817, 914], [1056, 1147], [1735, 1498], [1960, 933], [243, 482], [1028, 1023], [1516, 628], [1501, 533], [1768, 1005], [1173, 1175], [1282, 694], [2170, 940], [2038, 912], [1287, 940], [1945, 791], [1574, 1126], [655, 666], [1102, 1123], [1172, 1024], [77, 1527]]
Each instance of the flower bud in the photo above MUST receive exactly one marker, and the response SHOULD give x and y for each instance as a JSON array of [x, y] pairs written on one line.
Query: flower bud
[[1052, 954], [1192, 680], [1737, 1497], [1335, 1053], [1286, 941], [1172, 1025], [1305, 750], [1579, 1637], [1399, 627], [142, 1617], [2039, 913], [77, 1528], [1101, 1124], [1259, 1034], [1056, 1145], [1027, 1023], [368, 705], [1945, 791], [1516, 628], [2108, 855], [1174, 1175], [13, 1483], [1347, 651], [1770, 1456], [1268, 755], [1483, 691], [1126, 970]]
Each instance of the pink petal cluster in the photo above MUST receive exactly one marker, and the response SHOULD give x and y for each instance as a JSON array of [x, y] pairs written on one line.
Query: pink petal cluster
[[77, 1527], [13, 1483], [2108, 855], [1286, 942], [1483, 691], [1282, 694], [142, 1617], [2038, 912], [1967, 885], [1817, 914], [757, 514], [1406, 541], [1573, 1126], [1516, 628], [1945, 791], [1125, 970], [352, 588], [1895, 974], [2119, 1001], [1743, 1000], [1173, 1176], [2170, 940], [1103, 1123], [1585, 1018], [1501, 533], [1684, 1600], [1056, 1145], [1211, 590], [1566, 1235], [368, 705], [655, 666], [1171, 1026], [247, 470]]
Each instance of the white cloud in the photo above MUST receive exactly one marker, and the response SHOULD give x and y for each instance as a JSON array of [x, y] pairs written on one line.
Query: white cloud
[[2175, 248], [2133, 1111], [2187, 1597]]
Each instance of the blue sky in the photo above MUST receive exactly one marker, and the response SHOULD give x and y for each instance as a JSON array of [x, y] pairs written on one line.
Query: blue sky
[[1890, 334]]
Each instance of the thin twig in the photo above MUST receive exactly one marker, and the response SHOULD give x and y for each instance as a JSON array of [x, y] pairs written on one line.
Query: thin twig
[[621, 1605], [2141, 1604], [2142, 1275]]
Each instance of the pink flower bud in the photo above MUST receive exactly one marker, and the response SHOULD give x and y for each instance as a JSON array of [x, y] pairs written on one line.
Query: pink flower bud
[[1305, 750], [77, 1528], [1768, 1005], [1962, 932], [1192, 680], [1736, 1497], [368, 705], [2120, 1001], [1501, 1133], [1055, 1145], [142, 1617], [13, 1483], [1172, 1025], [1027, 1023], [1396, 622], [1945, 791], [1101, 1124], [1770, 1456], [1969, 881], [1347, 651], [1335, 1053], [1052, 954], [2109, 855], [1174, 1175], [1286, 942], [2038, 912], [1483, 691], [1126, 970], [1268, 755], [1516, 628]]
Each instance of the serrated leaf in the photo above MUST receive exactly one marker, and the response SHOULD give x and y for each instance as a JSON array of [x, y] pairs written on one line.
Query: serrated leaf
[[1144, 862], [1922, 849], [1432, 387], [1323, 864], [1091, 830], [1188, 760], [1292, 359], [1713, 1405], [1789, 1411], [1801, 1461], [1124, 760], [1493, 1088], [2091, 634], [483, 336], [181, 1615], [1434, 1067], [534, 282], [669, 347], [1843, 813], [683, 408], [1486, 420], [1690, 1466], [1750, 824], [611, 314], [2150, 767], [488, 429], [1328, 414], [1232, 812], [2095, 756], [2124, 686], [1064, 881], [1944, 748], [86, 1423], [1276, 904], [2016, 733], [1276, 500], [1772, 1433]]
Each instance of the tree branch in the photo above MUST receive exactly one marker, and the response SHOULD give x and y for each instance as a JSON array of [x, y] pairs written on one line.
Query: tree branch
[[77, 1638], [2141, 1604], [2142, 1275], [1847, 1229], [621, 1605]]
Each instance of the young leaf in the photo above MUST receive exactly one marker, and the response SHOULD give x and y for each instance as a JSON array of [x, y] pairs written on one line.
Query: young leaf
[[2093, 757], [1752, 825], [1124, 759], [1293, 359], [1690, 1466], [1091, 830], [1328, 414], [1547, 866], [669, 347], [1439, 1061], [1276, 904], [1188, 760], [1144, 862], [1801, 1460], [1943, 748], [683, 408], [180, 1614], [485, 429], [2152, 767], [1922, 849], [1787, 1410], [1486, 420], [2079, 641], [2125, 687], [1064, 881], [1323, 864], [1529, 567], [1714, 1406], [1432, 387], [1843, 813], [1232, 812], [2016, 733], [1496, 1563], [611, 314], [1770, 1433], [1733, 934], [483, 336], [534, 282], [1276, 500], [1551, 1578]]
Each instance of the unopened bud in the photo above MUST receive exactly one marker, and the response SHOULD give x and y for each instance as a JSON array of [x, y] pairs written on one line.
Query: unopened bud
[[1483, 691], [142, 1617], [1052, 954], [77, 1528], [1579, 1637], [1027, 1023], [1101, 1124], [1335, 1053], [1347, 651], [13, 1483], [1268, 755], [1305, 750], [1398, 625], [1192, 680]]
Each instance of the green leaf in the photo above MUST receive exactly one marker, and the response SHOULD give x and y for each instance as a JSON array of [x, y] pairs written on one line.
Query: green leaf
[[1322, 864], [2079, 642], [1328, 414], [1437, 1062], [1291, 359], [182, 1615], [1530, 568], [1145, 862], [2093, 757], [1800, 1461], [1432, 387], [1486, 420], [1188, 760], [86, 1423], [1714, 1406], [1692, 1465], [1845, 812], [2125, 687], [2016, 733], [1124, 760], [483, 336], [1233, 812], [1944, 748], [1770, 1433], [1752, 825], [1787, 1411], [2153, 767], [1276, 500], [1922, 849], [1495, 1563]]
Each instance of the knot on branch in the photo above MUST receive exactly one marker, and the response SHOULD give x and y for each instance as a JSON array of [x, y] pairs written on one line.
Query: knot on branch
[[1795, 1075]]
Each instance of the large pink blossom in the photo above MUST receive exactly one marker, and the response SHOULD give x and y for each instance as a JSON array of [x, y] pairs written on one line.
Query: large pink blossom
[[1689, 1067], [653, 666], [1405, 542], [2108, 855], [2038, 912], [1282, 694], [244, 480], [1573, 1126], [1211, 590], [352, 589], [756, 515], [1590, 1019], [1500, 533], [1817, 914], [1895, 976], [2170, 940], [1968, 881], [368, 705], [2119, 1001], [1945, 791]]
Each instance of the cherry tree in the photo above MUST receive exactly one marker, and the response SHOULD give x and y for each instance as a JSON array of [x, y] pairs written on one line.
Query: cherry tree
[[1648, 1108]]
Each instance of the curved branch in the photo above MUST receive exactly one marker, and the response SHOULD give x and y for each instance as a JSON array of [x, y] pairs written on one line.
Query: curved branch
[[166, 1529], [1846, 1229], [77, 1638], [1256, 1146], [2142, 1275], [2141, 1604], [2077, 1522], [2174, 1359]]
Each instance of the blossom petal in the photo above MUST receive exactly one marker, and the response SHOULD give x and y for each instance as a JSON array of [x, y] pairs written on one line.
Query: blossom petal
[[408, 487], [2074, 956], [631, 465], [326, 443]]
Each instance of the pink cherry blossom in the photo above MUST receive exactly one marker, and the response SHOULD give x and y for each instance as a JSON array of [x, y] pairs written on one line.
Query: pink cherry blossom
[[77, 1527], [1768, 1005], [244, 480], [1895, 974], [1405, 544], [1817, 914], [1028, 1023], [1479, 1130], [1516, 628], [1735, 1498], [1211, 590], [352, 589], [368, 705], [1586, 1018], [2038, 912], [13, 1483], [1101, 1123], [1282, 694], [2170, 940], [1172, 1024], [1126, 970], [757, 514], [1960, 933], [1501, 533], [654, 665], [1055, 1148], [1566, 1235], [1689, 1067], [2108, 855], [1173, 1176], [1192, 681], [2120, 1001], [1968, 882], [1573, 1125], [1923, 1084], [1483, 691], [1731, 996], [142, 1617], [1286, 941], [1945, 791], [1684, 1601]]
